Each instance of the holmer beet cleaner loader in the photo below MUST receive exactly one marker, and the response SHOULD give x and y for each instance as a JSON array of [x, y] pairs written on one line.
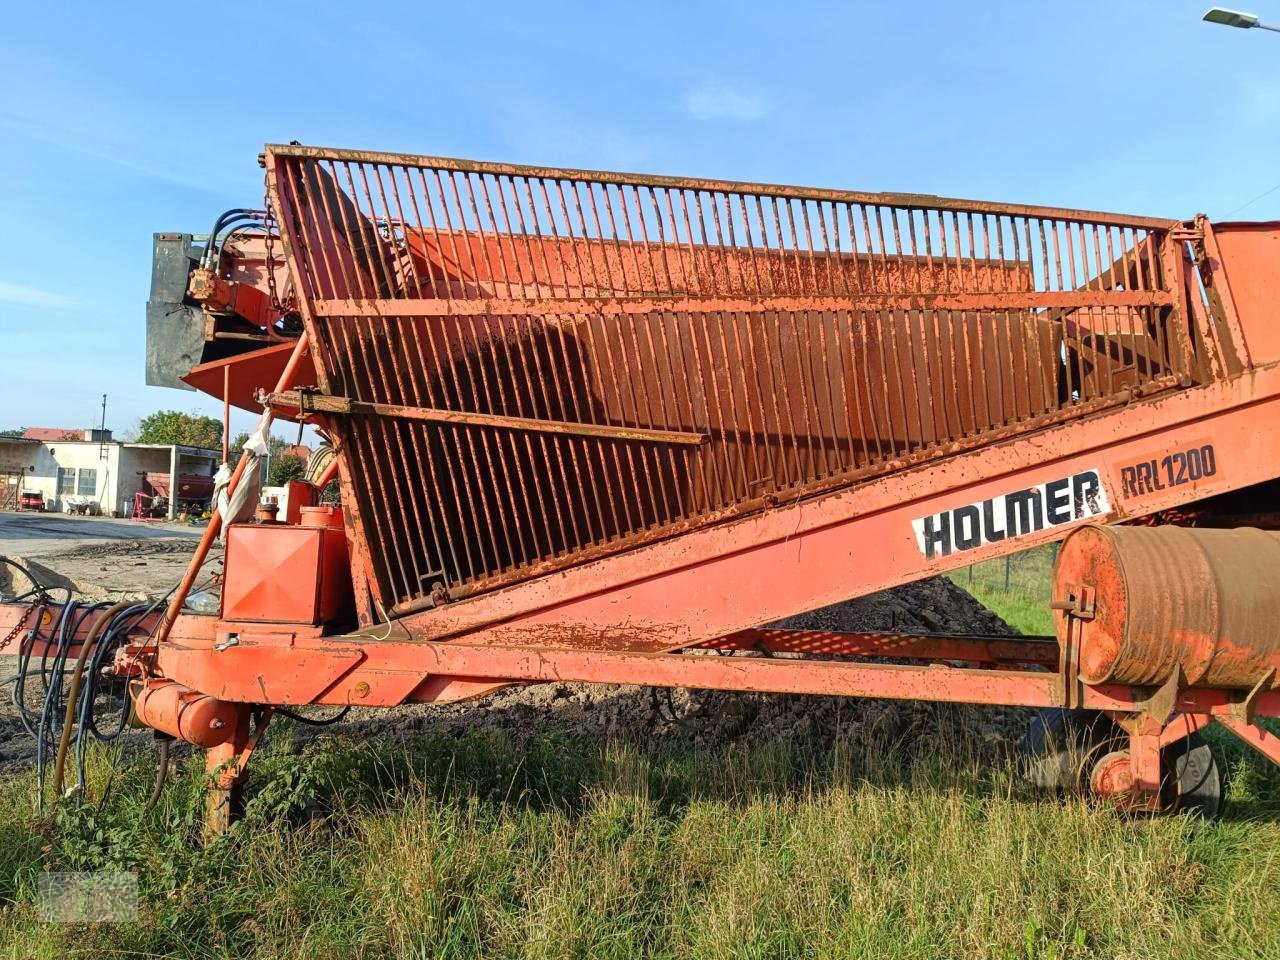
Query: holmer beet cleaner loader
[[606, 427]]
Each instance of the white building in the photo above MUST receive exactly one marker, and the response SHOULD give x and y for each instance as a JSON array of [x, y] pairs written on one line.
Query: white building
[[87, 463]]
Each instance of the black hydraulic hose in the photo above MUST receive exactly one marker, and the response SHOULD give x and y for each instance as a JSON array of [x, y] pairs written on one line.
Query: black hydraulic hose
[[37, 586], [119, 629], [52, 693], [25, 648], [238, 215], [310, 722], [73, 693], [213, 250], [117, 632], [241, 228], [54, 642], [226, 217], [73, 616], [55, 638], [112, 627], [162, 771], [79, 612]]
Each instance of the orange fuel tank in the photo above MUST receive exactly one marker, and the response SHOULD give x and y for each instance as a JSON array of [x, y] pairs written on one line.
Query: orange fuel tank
[[1202, 599]]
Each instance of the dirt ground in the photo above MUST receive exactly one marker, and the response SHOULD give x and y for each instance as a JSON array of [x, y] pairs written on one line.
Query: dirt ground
[[108, 569], [97, 557], [710, 718]]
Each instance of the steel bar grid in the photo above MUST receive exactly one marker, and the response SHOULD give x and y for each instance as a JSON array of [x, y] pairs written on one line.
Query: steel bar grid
[[812, 336]]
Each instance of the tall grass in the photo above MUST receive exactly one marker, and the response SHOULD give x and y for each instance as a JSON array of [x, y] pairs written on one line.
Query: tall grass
[[560, 847], [1016, 587]]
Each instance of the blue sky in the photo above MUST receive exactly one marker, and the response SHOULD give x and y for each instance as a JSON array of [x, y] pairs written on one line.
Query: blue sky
[[117, 121]]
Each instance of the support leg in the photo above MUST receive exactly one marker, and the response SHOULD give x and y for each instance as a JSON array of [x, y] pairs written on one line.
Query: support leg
[[226, 781], [226, 765]]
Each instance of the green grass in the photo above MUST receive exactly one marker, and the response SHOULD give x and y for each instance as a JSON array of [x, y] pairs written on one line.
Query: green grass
[[564, 847], [1023, 602], [474, 847]]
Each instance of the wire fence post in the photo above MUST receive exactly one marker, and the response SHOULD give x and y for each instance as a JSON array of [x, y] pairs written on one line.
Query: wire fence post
[[1008, 562]]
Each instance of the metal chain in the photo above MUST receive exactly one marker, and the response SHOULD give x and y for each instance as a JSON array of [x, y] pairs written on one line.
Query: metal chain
[[17, 627], [269, 224]]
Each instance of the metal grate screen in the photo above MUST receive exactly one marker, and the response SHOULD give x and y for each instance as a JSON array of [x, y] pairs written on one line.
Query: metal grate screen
[[537, 366]]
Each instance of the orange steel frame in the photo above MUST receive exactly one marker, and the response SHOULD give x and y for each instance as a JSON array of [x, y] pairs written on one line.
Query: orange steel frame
[[660, 612], [712, 583]]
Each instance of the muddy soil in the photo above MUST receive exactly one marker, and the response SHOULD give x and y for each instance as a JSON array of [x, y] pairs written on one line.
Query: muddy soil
[[716, 718], [134, 569]]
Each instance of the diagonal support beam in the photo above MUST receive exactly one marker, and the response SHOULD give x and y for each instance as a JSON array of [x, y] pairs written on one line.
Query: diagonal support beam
[[1267, 744], [305, 401]]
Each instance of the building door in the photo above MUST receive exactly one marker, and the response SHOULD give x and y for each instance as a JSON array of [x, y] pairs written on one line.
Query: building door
[[10, 487]]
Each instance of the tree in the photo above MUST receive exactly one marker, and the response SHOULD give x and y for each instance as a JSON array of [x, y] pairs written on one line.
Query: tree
[[184, 429], [284, 468], [13, 434], [279, 467], [275, 446]]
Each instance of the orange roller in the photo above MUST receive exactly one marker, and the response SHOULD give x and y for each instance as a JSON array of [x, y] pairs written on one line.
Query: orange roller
[[1207, 601]]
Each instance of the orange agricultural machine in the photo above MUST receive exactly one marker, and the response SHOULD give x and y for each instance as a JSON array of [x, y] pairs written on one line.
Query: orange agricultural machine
[[608, 427]]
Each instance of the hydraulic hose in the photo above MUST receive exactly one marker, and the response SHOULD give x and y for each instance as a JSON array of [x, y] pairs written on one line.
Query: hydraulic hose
[[162, 772], [106, 617], [225, 220]]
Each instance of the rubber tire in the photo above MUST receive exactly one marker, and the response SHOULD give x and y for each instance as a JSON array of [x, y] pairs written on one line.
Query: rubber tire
[[1069, 737], [1193, 783]]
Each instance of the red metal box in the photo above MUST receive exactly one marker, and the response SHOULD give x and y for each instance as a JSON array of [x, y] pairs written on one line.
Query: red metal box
[[282, 573]]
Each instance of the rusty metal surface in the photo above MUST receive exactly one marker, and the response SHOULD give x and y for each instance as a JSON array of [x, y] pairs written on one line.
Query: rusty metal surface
[[814, 337], [1202, 601], [957, 647]]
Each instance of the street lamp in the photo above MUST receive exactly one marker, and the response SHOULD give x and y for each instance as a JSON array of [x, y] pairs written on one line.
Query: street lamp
[[1234, 18]]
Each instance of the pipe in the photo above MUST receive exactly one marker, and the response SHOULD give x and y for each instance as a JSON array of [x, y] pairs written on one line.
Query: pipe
[[226, 413], [215, 522], [330, 472]]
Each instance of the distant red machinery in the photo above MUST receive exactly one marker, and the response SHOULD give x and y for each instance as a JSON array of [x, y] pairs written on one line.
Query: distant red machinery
[[152, 501], [593, 426]]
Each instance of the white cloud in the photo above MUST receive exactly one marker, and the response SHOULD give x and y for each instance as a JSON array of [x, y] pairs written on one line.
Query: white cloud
[[22, 296], [718, 101]]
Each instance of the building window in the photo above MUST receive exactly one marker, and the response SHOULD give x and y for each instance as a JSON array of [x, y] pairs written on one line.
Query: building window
[[87, 485], [66, 480]]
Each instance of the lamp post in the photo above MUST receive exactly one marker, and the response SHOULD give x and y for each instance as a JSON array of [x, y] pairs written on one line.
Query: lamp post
[[1234, 18]]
